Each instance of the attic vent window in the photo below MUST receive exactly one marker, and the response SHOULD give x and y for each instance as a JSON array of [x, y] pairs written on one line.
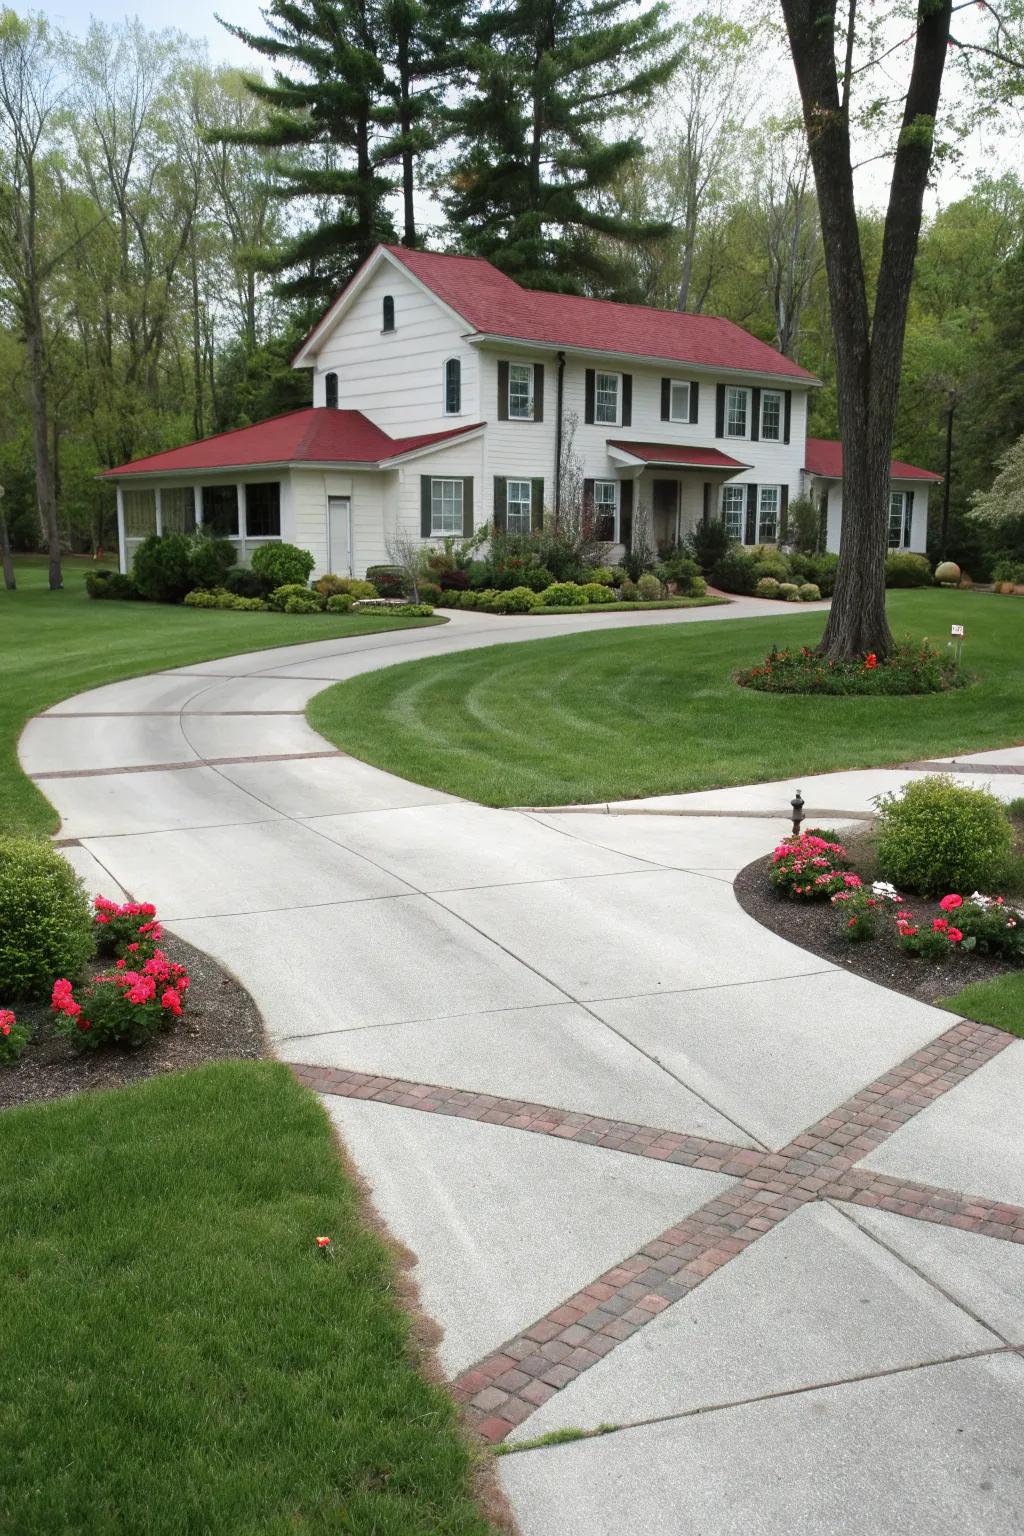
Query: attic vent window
[[331, 391], [388, 309]]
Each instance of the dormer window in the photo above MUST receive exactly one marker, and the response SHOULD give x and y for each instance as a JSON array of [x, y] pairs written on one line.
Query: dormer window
[[388, 313], [331, 391], [452, 387]]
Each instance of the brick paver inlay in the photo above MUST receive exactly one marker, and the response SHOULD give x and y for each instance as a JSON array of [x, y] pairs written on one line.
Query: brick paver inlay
[[507, 1386]]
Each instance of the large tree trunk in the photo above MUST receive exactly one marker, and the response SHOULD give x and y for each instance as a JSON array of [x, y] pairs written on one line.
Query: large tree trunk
[[869, 349], [5, 548], [46, 492]]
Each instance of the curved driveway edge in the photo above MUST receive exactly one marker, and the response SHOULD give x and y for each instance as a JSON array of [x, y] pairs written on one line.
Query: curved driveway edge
[[662, 1170]]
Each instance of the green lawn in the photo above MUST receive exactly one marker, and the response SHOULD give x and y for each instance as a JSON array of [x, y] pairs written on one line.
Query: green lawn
[[999, 1002], [54, 644], [177, 1354], [617, 714]]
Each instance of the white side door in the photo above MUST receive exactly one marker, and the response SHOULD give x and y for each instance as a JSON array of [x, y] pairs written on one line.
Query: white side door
[[339, 535]]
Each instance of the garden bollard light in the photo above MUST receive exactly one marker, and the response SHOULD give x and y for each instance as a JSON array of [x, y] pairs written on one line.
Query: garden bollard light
[[797, 803]]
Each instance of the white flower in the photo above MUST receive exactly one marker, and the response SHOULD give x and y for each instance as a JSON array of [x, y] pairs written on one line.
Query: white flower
[[981, 901], [885, 891]]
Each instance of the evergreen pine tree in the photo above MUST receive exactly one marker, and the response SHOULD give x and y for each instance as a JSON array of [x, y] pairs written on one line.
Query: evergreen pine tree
[[550, 78]]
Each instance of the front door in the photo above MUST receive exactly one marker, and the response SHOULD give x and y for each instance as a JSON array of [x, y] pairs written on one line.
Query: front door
[[665, 505], [339, 533]]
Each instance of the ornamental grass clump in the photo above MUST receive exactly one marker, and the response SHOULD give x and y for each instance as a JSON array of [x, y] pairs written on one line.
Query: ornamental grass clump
[[125, 1006], [811, 868], [46, 927], [936, 835]]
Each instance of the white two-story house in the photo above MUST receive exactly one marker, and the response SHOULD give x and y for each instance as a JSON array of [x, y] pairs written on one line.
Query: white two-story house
[[443, 398]]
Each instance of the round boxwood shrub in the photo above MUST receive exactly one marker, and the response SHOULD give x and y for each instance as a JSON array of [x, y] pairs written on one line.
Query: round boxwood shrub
[[649, 587], [775, 567], [282, 564], [46, 927], [245, 583], [162, 568], [515, 600], [789, 592], [340, 602], [602, 574], [563, 594], [903, 569], [597, 592], [767, 587], [809, 593], [937, 836]]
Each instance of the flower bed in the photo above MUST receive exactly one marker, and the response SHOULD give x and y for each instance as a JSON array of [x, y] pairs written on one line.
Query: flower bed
[[914, 667]]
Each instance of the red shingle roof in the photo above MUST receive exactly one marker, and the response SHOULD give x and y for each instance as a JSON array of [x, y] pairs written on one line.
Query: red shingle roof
[[672, 453], [494, 305], [824, 457], [314, 435]]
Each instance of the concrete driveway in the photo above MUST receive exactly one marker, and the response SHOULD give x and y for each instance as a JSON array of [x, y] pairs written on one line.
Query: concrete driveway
[[662, 1170]]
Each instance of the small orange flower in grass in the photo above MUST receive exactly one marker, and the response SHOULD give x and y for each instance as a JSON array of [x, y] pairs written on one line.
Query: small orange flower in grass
[[324, 1244]]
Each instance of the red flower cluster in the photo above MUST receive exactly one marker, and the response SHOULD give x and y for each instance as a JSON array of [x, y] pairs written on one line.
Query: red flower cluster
[[126, 926], [13, 1037], [871, 661], [124, 1005], [811, 867]]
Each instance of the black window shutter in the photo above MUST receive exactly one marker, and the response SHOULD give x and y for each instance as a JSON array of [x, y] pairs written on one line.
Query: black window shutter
[[751, 531], [500, 503], [787, 414], [783, 514], [425, 506], [331, 391], [908, 518], [538, 391], [588, 496], [588, 397], [627, 399], [503, 391], [694, 400], [626, 512], [755, 415], [666, 399], [537, 503], [467, 506], [720, 410]]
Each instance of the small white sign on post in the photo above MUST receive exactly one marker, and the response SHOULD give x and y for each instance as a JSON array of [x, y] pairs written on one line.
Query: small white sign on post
[[957, 642], [957, 629]]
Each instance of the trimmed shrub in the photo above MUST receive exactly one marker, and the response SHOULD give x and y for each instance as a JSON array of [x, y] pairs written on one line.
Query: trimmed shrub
[[789, 592], [388, 579], [249, 604], [903, 569], [767, 587], [162, 568], [597, 592], [775, 567], [563, 594], [210, 560], [809, 593], [282, 565], [245, 583], [937, 836], [516, 600], [820, 569], [736, 571], [303, 602], [46, 926], [649, 587], [709, 544], [340, 602], [281, 596], [200, 599], [412, 610], [334, 586], [804, 524], [628, 590], [429, 592], [603, 574], [111, 585]]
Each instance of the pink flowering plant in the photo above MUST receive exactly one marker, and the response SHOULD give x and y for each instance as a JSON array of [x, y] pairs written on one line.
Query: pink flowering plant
[[811, 868], [858, 913], [13, 1038], [127, 929], [988, 924], [124, 1006]]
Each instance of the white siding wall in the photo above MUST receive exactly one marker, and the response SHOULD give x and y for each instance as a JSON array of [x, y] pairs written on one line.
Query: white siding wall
[[919, 524], [397, 377], [460, 461]]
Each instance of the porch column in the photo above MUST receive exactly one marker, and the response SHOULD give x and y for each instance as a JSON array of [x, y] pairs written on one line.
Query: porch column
[[197, 501], [242, 515], [159, 511], [121, 560]]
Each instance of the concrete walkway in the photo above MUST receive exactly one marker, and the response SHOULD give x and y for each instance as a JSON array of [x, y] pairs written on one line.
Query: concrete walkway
[[661, 1169]]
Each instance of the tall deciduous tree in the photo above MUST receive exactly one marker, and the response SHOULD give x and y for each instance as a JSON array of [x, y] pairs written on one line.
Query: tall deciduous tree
[[868, 339], [550, 79]]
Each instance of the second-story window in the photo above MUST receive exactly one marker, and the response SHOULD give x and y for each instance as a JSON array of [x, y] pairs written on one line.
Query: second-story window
[[737, 412], [388, 313], [452, 387], [771, 415], [606, 399], [679, 400], [520, 391], [331, 391]]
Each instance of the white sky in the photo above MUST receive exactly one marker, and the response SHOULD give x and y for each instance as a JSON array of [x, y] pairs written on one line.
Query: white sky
[[989, 151]]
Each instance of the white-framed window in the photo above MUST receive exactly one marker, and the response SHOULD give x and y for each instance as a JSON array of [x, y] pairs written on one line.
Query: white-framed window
[[606, 398], [734, 510], [898, 519], [518, 506], [771, 415], [606, 507], [679, 400], [445, 506], [737, 411], [769, 499], [520, 391], [452, 387]]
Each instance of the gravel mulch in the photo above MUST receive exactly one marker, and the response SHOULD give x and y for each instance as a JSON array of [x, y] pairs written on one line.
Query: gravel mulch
[[220, 1023], [816, 927]]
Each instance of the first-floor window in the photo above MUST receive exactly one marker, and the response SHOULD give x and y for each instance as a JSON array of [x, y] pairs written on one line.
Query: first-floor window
[[220, 510], [445, 506], [737, 411], [520, 391], [263, 510], [517, 507], [767, 514], [606, 399], [606, 505], [897, 519], [734, 510]]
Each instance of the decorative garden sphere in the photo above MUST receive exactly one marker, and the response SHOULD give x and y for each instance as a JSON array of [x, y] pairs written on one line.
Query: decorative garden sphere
[[947, 574]]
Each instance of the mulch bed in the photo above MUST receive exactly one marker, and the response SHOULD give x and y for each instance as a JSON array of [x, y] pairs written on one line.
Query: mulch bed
[[220, 1023], [816, 926]]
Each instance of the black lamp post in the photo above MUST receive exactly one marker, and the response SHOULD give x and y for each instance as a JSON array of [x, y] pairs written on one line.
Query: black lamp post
[[797, 803]]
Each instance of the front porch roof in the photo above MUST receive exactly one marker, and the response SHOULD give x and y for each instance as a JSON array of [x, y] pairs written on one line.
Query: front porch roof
[[673, 455], [824, 458], [316, 435]]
